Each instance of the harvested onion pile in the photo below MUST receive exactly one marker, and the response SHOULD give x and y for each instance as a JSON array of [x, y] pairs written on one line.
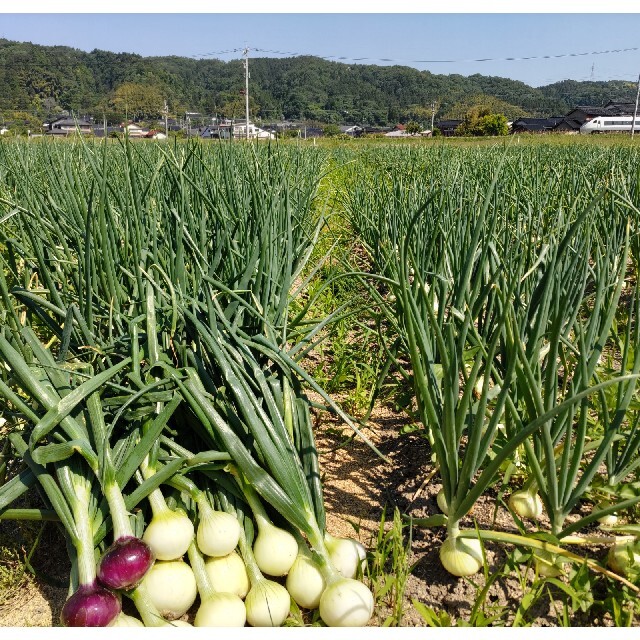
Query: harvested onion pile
[[150, 375]]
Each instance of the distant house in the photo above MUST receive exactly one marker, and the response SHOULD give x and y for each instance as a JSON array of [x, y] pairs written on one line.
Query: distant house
[[567, 125], [210, 132], [68, 127], [373, 130], [448, 127], [100, 132], [238, 130], [585, 113], [3, 131], [313, 132], [352, 130], [397, 133], [134, 131], [535, 125], [620, 108]]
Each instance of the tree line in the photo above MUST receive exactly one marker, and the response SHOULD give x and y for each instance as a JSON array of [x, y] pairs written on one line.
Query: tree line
[[44, 81]]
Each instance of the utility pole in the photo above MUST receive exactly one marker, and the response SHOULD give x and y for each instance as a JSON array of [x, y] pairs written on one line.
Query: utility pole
[[433, 115], [245, 53], [635, 111], [166, 114]]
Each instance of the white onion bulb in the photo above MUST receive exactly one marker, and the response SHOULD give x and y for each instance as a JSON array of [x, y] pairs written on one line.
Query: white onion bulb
[[547, 564], [461, 556], [180, 623], [346, 555], [172, 588], [610, 519], [221, 610], [123, 620], [228, 574], [267, 604], [346, 603], [305, 583], [275, 549], [169, 534], [526, 504], [218, 532], [624, 559]]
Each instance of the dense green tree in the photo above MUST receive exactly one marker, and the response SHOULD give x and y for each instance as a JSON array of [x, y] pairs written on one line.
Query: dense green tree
[[331, 130], [494, 124], [137, 101], [490, 104], [479, 121]]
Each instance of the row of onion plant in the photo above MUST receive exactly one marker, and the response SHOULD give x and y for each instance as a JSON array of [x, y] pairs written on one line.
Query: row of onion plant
[[501, 275]]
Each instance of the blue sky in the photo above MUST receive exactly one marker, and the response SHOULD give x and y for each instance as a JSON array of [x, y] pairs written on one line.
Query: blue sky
[[401, 38]]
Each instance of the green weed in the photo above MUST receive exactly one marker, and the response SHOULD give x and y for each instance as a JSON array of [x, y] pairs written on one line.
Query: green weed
[[388, 568]]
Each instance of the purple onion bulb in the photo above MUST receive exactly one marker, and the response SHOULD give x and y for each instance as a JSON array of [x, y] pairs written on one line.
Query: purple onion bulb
[[90, 606], [125, 563]]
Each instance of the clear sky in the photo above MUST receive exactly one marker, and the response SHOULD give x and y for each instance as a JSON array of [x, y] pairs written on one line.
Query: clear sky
[[400, 38]]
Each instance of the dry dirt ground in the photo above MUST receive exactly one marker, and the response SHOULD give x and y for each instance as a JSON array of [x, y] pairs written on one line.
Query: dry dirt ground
[[358, 486]]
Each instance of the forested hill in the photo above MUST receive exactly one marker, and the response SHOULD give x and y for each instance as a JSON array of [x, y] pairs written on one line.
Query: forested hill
[[47, 80]]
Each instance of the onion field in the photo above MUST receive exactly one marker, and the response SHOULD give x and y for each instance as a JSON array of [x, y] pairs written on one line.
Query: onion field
[[177, 320]]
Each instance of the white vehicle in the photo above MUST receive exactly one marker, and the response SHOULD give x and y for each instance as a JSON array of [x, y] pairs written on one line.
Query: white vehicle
[[610, 124]]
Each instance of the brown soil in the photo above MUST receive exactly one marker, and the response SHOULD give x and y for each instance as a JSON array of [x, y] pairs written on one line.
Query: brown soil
[[358, 486]]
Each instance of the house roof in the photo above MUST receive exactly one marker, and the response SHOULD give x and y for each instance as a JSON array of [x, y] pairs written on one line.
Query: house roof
[[568, 123], [620, 105], [69, 122], [536, 124], [542, 121], [590, 111]]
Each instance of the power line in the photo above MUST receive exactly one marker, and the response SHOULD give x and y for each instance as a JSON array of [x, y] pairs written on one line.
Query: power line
[[457, 61]]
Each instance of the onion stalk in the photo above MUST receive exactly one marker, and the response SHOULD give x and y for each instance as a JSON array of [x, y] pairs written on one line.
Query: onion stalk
[[91, 605]]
